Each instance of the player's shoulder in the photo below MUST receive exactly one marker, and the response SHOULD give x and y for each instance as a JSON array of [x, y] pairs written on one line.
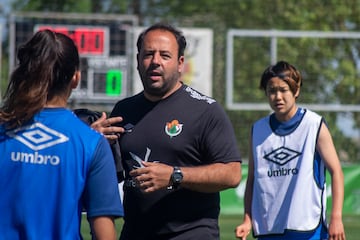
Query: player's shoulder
[[312, 117], [197, 96], [311, 113]]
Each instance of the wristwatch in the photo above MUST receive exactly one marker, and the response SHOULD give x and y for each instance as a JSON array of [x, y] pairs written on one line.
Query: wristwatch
[[176, 177]]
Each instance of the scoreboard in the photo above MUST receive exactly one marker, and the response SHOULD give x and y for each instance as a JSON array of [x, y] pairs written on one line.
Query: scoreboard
[[90, 40], [105, 46]]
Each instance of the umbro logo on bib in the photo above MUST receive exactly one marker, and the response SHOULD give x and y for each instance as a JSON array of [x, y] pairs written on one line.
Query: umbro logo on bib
[[281, 155]]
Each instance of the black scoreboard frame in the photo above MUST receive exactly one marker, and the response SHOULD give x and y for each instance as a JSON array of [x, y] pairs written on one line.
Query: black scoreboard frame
[[105, 44]]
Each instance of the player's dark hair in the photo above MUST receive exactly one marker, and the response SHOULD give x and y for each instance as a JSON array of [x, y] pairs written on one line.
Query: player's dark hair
[[46, 64], [286, 72], [180, 39]]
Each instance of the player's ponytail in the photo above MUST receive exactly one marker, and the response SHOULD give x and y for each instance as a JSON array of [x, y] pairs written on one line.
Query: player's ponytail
[[46, 65]]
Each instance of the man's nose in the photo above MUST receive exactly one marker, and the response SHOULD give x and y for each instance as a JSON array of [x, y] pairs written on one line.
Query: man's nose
[[156, 58]]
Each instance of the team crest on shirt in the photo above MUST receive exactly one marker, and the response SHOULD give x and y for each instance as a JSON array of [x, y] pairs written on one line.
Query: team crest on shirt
[[173, 128]]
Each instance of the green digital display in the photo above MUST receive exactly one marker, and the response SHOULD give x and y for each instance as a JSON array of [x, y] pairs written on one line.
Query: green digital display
[[113, 82]]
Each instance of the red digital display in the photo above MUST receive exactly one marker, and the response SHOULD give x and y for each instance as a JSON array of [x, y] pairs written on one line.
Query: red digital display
[[90, 40]]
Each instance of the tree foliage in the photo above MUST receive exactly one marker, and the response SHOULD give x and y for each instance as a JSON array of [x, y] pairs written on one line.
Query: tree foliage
[[331, 68]]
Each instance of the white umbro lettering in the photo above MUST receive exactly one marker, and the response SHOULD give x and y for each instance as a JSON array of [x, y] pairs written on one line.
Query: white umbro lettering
[[35, 158]]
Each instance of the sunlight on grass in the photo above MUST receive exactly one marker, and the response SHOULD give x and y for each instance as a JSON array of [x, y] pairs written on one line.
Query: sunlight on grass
[[229, 222]]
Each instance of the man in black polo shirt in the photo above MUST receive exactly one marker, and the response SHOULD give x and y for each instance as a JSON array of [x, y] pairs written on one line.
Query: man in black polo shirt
[[178, 147]]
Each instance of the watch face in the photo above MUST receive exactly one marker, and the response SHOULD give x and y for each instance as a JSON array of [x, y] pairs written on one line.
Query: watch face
[[177, 175]]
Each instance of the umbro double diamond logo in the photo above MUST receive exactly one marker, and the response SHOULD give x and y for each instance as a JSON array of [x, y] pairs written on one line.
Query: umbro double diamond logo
[[37, 136], [281, 155]]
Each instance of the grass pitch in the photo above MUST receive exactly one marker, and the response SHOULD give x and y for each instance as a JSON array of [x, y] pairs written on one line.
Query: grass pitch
[[229, 222]]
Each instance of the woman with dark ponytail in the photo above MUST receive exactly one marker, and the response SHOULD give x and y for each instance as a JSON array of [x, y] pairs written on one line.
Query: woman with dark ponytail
[[52, 165]]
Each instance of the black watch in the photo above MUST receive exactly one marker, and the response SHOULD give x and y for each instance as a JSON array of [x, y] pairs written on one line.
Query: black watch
[[176, 177]]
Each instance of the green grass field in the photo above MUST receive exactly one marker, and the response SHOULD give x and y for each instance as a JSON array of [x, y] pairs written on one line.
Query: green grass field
[[229, 222]]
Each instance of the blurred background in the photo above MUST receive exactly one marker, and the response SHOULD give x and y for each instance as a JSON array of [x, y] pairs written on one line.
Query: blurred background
[[231, 42]]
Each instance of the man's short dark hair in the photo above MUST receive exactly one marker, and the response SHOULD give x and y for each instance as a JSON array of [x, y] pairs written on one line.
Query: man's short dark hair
[[180, 39]]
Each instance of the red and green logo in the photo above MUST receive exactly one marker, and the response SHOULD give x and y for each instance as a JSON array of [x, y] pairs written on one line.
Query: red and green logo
[[173, 128]]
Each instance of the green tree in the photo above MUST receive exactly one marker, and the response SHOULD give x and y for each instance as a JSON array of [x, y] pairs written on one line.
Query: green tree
[[80, 6], [330, 67]]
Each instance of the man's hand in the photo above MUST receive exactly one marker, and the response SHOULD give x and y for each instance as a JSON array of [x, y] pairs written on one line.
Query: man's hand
[[152, 176], [105, 126]]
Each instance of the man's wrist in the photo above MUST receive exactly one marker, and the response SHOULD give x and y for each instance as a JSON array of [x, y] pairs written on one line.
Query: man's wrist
[[176, 177]]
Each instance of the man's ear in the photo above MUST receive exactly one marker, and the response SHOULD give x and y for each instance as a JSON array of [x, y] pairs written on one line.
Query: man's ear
[[181, 64], [76, 79]]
